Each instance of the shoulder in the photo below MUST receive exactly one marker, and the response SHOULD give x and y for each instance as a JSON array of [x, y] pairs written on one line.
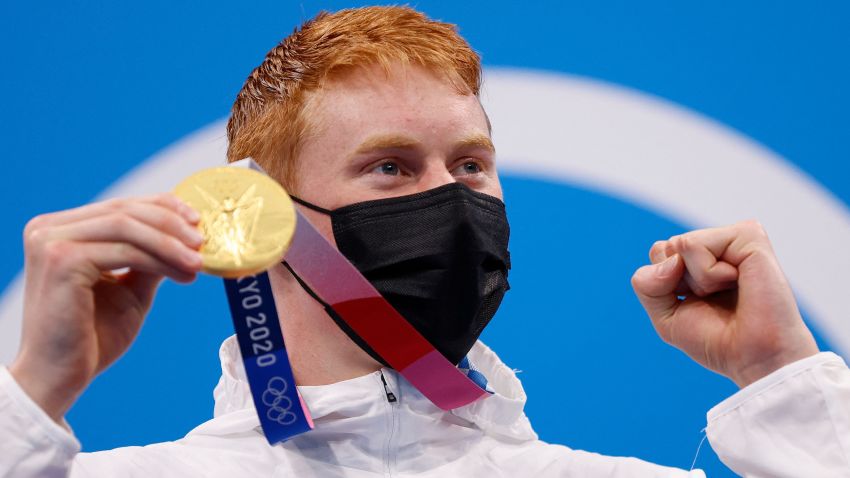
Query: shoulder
[[541, 459], [197, 454]]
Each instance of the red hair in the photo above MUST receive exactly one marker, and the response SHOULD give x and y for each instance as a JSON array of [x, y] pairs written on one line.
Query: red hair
[[267, 121]]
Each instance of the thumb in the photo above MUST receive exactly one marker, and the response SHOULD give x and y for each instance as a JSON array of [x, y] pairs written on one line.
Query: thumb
[[655, 286]]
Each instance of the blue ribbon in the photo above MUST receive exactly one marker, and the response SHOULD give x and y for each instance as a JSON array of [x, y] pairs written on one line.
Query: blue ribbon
[[252, 307]]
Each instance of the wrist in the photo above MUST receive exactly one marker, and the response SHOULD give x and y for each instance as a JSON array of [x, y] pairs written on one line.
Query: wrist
[[53, 397], [766, 366]]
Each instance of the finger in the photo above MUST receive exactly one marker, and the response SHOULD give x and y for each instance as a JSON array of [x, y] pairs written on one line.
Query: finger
[[715, 239], [749, 237], [160, 218], [731, 244], [655, 287], [177, 205], [705, 273], [122, 228], [166, 200], [106, 256], [167, 221], [658, 252]]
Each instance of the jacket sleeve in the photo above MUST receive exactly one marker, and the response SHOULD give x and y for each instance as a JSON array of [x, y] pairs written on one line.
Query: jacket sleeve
[[32, 443], [794, 422]]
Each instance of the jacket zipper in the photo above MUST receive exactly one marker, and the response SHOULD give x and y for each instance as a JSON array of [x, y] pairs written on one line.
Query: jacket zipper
[[388, 448], [390, 395]]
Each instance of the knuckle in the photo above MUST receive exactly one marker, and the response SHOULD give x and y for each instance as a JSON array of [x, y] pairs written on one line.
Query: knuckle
[[170, 244], [686, 242], [34, 232], [128, 253], [165, 222], [119, 221], [754, 227], [34, 224], [166, 199], [122, 249], [679, 243], [762, 249], [115, 204], [59, 253]]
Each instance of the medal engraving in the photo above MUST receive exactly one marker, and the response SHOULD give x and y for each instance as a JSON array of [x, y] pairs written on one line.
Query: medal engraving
[[229, 224], [247, 219]]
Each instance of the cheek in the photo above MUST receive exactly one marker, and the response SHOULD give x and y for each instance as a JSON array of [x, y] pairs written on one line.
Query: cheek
[[321, 222], [495, 188]]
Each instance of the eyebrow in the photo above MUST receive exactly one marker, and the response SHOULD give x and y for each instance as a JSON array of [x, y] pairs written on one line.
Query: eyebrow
[[392, 141], [386, 141], [478, 141]]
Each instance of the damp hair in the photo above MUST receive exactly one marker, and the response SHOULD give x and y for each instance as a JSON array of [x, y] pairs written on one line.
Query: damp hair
[[268, 120]]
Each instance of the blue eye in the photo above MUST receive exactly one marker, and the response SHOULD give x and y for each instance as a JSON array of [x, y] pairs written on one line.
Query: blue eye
[[468, 168], [389, 168]]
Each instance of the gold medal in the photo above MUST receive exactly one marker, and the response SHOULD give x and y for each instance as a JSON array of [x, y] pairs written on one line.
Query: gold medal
[[247, 219]]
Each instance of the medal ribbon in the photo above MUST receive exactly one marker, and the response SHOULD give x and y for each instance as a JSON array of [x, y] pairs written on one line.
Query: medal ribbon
[[279, 406], [342, 287]]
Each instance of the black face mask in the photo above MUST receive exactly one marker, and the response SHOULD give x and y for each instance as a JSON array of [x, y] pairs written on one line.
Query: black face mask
[[440, 257]]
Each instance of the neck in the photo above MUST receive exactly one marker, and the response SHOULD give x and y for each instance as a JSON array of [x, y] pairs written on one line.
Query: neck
[[319, 351]]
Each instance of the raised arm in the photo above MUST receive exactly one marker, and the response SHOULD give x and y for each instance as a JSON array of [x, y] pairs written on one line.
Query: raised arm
[[78, 316]]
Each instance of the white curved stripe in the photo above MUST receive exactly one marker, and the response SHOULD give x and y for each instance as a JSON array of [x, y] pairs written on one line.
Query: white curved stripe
[[625, 144], [682, 166]]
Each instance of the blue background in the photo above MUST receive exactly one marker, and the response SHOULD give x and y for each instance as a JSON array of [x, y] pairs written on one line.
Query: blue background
[[91, 90]]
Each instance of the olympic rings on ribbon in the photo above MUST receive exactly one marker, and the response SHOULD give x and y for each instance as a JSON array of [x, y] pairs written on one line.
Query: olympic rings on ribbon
[[273, 397]]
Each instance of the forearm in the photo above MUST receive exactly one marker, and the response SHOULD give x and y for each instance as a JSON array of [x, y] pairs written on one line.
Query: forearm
[[53, 389]]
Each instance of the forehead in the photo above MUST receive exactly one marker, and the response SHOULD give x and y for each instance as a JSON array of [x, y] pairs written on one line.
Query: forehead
[[361, 100]]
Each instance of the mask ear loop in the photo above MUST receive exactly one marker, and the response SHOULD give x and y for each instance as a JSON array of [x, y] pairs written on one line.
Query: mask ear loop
[[309, 206], [336, 318]]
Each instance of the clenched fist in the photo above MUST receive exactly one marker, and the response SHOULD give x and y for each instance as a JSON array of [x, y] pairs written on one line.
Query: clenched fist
[[720, 296], [78, 317]]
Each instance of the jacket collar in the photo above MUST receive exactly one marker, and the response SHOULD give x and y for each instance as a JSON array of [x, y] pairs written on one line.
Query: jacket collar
[[501, 414]]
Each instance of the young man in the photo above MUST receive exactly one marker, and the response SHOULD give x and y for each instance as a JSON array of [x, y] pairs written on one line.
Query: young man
[[381, 103]]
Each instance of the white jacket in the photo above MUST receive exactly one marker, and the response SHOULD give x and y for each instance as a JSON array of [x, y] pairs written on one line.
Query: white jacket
[[793, 423]]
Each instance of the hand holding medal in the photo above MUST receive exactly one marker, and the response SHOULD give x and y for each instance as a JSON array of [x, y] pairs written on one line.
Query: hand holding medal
[[81, 315], [77, 318]]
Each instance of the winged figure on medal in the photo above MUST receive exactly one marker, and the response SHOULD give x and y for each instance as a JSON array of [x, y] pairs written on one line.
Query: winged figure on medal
[[229, 225]]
